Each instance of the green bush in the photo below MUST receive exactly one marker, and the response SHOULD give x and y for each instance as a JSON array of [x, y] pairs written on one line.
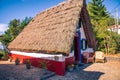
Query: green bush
[[110, 43], [1, 55], [43, 64], [4, 54]]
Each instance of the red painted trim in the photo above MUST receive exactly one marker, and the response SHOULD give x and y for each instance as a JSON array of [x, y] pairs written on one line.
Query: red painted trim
[[69, 61], [77, 48], [55, 66]]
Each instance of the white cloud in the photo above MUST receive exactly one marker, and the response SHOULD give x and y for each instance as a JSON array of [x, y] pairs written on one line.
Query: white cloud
[[3, 27]]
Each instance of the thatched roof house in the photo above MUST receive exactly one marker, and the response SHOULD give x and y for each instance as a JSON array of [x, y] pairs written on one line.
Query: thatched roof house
[[52, 31]]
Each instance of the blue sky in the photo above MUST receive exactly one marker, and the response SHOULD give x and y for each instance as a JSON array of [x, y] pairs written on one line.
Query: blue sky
[[19, 9]]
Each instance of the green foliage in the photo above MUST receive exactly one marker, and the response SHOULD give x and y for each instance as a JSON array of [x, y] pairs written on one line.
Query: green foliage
[[111, 21], [43, 64], [3, 54], [119, 22], [99, 16], [101, 20], [24, 23], [108, 43], [15, 27], [116, 38], [97, 10], [17, 61], [28, 62]]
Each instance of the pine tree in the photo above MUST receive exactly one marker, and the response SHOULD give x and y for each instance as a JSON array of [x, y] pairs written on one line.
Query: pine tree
[[99, 17], [97, 10], [101, 20]]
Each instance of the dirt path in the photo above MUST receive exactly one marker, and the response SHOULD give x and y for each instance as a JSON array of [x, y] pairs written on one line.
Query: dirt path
[[110, 70]]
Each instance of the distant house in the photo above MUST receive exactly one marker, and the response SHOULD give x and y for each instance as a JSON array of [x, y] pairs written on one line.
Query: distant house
[[115, 28], [58, 35]]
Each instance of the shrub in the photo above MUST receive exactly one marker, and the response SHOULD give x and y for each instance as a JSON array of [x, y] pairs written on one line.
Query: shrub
[[28, 64], [43, 64], [3, 55], [17, 61]]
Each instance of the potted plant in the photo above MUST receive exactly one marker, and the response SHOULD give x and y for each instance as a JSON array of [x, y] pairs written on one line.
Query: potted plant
[[43, 64], [28, 64], [17, 61], [70, 67]]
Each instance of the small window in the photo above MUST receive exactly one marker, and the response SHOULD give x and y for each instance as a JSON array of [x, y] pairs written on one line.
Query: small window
[[79, 24], [83, 44], [72, 47]]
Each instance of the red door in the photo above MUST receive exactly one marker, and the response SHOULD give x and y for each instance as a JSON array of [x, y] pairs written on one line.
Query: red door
[[77, 50]]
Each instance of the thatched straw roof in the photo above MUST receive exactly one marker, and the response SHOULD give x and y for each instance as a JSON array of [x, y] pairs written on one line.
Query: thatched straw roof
[[51, 31]]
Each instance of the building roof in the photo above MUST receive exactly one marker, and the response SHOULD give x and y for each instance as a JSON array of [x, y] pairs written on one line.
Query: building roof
[[114, 28], [51, 31]]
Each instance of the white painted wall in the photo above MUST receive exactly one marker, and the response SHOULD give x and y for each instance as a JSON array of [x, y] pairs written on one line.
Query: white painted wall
[[82, 33], [84, 37], [42, 55]]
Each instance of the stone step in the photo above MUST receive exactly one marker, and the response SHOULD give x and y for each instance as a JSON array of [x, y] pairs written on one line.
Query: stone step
[[48, 74]]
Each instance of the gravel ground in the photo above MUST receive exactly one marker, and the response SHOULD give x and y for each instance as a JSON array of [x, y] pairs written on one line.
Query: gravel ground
[[96, 71], [10, 71]]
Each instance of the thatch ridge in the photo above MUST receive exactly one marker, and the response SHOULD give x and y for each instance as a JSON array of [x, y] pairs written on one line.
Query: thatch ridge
[[87, 26], [51, 31]]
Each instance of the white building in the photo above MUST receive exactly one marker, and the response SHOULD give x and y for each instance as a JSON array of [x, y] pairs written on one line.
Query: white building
[[115, 28]]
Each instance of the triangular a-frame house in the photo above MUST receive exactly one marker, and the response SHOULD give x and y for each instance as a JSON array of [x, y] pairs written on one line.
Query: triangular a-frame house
[[59, 35]]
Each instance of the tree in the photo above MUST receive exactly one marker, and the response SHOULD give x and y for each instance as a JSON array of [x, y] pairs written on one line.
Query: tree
[[15, 27], [116, 38], [101, 20], [98, 14], [111, 21], [24, 23], [97, 10]]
